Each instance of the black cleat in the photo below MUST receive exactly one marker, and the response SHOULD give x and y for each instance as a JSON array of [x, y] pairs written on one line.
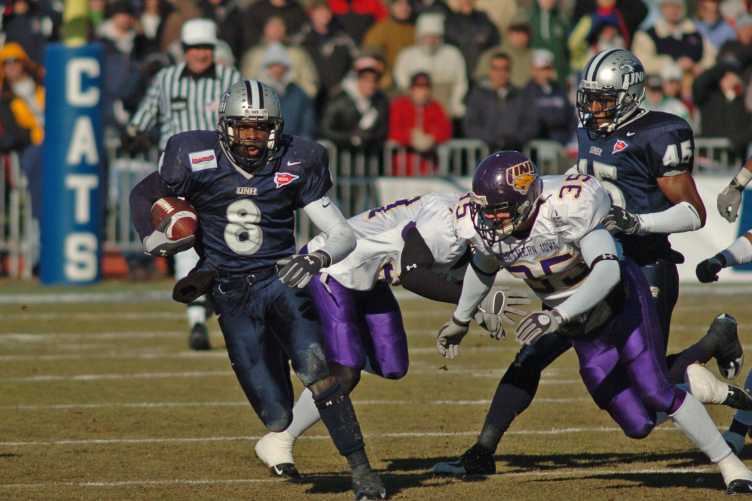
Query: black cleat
[[286, 470], [740, 486], [368, 486], [738, 399], [477, 460], [728, 353], [199, 338]]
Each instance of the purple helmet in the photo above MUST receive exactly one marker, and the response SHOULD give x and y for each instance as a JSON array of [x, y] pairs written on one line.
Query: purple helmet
[[506, 181]]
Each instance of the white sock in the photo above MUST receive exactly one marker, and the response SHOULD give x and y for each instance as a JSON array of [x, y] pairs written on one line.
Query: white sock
[[740, 252], [692, 419], [745, 417], [732, 469], [304, 414], [196, 314]]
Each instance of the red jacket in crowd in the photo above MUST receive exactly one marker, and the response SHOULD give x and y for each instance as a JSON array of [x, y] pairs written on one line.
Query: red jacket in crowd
[[404, 116]]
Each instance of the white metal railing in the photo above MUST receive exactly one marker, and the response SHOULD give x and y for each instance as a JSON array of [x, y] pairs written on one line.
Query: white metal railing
[[17, 243], [712, 156]]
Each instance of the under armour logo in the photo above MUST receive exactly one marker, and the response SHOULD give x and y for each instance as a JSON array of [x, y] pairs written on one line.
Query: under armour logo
[[310, 260], [162, 252], [410, 267]]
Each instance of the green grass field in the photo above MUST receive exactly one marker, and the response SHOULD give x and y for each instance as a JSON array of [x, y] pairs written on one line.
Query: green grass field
[[103, 400]]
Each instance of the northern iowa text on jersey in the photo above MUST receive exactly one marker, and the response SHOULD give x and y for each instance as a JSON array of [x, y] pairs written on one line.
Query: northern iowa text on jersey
[[247, 221]]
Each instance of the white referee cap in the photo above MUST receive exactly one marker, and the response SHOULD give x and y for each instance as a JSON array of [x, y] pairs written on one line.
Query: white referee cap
[[198, 32]]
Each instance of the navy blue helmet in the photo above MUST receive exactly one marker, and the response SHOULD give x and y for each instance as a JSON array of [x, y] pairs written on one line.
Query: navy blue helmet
[[505, 182]]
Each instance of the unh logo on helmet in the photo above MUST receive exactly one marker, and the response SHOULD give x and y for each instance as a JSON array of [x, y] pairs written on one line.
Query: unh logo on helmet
[[520, 176], [631, 74]]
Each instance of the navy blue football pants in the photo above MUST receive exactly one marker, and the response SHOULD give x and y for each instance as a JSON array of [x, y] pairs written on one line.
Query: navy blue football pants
[[266, 324], [520, 383]]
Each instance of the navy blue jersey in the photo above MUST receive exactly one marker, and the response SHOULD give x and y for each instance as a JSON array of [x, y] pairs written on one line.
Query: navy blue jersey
[[247, 221], [629, 162]]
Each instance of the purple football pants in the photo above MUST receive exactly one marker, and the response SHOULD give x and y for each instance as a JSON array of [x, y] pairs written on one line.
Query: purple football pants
[[623, 363], [362, 325]]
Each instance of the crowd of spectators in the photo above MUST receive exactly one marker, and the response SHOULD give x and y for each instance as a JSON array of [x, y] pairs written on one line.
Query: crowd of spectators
[[417, 72]]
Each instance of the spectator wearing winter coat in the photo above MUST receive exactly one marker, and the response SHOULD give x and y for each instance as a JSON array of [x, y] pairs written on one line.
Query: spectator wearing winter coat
[[330, 47], [741, 47], [32, 24], [550, 30], [516, 46], [718, 95], [357, 117], [443, 62], [22, 115], [298, 108], [657, 100], [419, 123], [557, 117], [356, 16], [430, 7], [673, 38], [602, 29], [471, 31], [394, 33], [258, 13], [303, 70], [711, 25], [228, 15], [502, 115], [500, 12]]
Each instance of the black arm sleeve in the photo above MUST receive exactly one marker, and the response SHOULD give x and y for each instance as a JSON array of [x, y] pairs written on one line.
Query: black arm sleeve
[[417, 276], [143, 196]]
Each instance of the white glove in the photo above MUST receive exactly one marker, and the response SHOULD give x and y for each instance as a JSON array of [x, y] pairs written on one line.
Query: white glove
[[498, 302], [537, 324], [729, 200], [450, 335], [157, 244], [492, 323]]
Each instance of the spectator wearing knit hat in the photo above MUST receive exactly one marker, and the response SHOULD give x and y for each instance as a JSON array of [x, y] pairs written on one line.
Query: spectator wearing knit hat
[[719, 96], [419, 123], [303, 70], [443, 62], [357, 117], [556, 115], [298, 108], [602, 29]]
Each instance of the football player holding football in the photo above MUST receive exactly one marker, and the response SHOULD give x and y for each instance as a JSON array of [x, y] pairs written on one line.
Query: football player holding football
[[412, 243], [644, 161], [548, 232], [246, 180]]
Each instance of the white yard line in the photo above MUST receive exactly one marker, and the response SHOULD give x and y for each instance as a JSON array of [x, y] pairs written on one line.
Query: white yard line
[[115, 441], [564, 472], [157, 405]]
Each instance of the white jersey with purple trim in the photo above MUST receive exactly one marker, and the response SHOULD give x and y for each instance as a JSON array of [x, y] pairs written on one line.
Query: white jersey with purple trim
[[381, 232], [548, 259]]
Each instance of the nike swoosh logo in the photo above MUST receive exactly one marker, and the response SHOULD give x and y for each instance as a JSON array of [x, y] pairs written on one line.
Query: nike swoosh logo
[[292, 163], [628, 134], [327, 205]]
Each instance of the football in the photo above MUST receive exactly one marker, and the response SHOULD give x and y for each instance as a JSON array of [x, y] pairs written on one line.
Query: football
[[184, 217]]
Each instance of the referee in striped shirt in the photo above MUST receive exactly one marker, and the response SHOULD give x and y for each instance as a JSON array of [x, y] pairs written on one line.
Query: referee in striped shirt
[[186, 97]]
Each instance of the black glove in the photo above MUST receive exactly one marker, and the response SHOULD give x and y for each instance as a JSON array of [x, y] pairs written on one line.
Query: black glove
[[622, 221], [707, 271], [157, 244], [134, 143], [300, 269]]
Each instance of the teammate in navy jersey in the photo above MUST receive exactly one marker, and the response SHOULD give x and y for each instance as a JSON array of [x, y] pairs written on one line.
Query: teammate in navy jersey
[[246, 180], [644, 160]]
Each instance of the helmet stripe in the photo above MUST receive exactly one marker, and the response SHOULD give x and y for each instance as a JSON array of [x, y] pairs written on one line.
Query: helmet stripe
[[254, 96], [260, 95], [248, 92], [595, 64]]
